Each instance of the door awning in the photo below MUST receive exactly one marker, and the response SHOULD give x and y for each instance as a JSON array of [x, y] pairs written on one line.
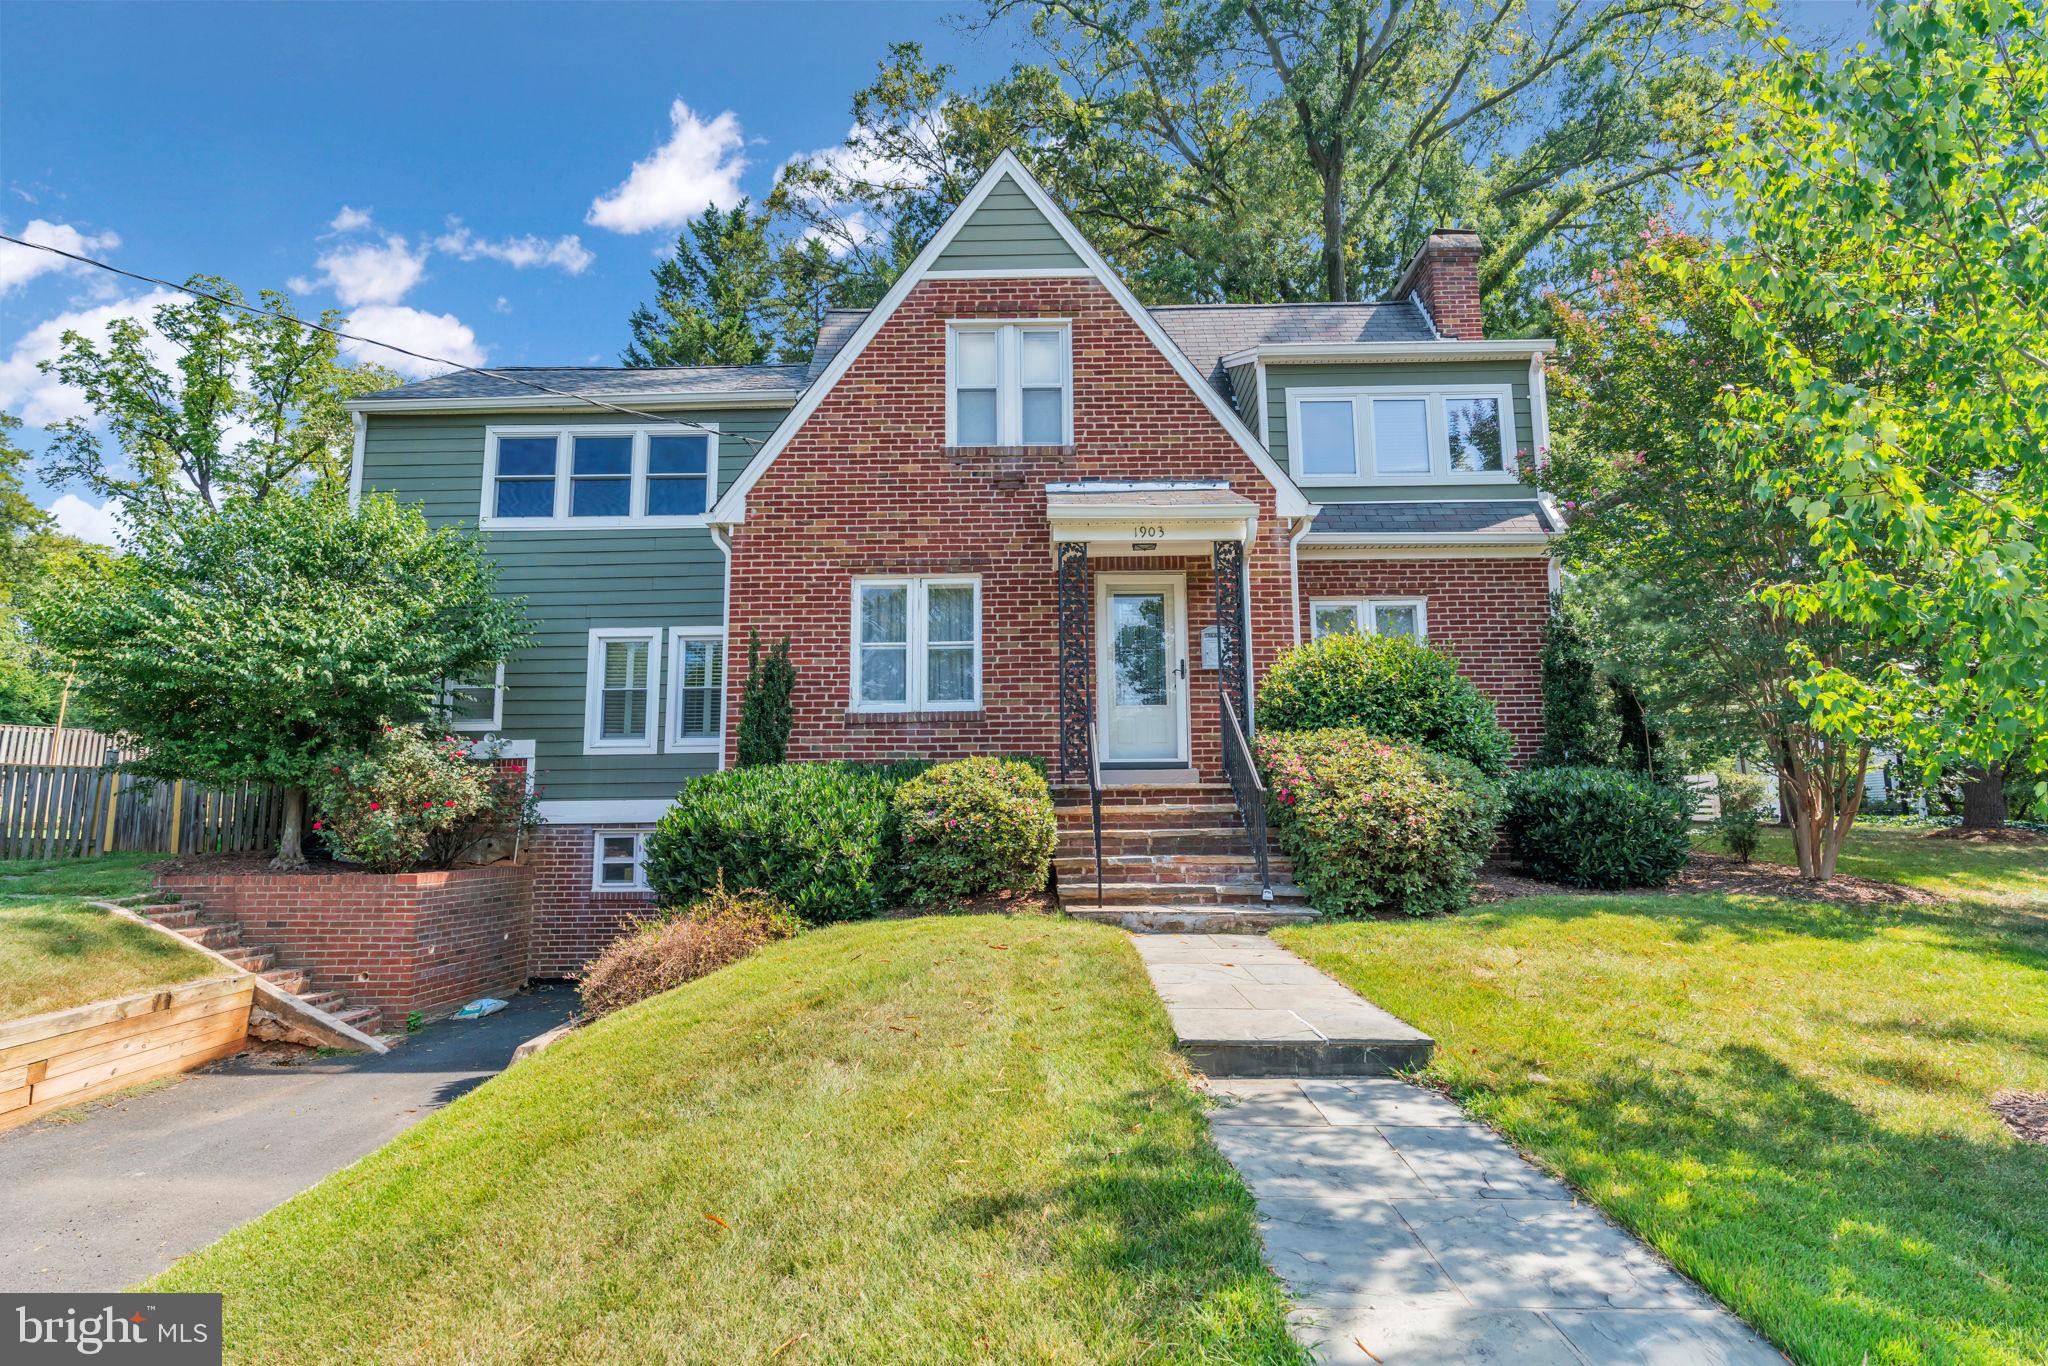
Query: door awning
[[1182, 515]]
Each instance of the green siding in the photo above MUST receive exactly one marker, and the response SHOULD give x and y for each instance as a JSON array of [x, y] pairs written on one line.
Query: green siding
[[1514, 374], [1007, 232], [573, 581], [1244, 396]]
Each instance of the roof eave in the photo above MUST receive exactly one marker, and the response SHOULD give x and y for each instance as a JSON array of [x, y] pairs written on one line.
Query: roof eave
[[1306, 353], [750, 398], [1368, 538]]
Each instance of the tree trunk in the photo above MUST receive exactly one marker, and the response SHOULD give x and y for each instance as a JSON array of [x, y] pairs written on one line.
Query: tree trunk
[[1336, 281], [290, 855], [1984, 798]]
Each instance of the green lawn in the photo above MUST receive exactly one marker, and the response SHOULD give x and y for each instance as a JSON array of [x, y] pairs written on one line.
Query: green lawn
[[1788, 1099], [57, 950], [940, 1140]]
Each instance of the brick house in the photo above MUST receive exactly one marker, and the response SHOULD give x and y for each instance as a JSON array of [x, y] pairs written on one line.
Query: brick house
[[1007, 502]]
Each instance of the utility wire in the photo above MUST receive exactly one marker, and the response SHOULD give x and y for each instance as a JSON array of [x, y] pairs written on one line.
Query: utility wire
[[667, 419]]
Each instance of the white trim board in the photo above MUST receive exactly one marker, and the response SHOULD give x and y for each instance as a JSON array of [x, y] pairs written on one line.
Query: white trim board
[[1310, 353], [1426, 548], [732, 507], [620, 811], [752, 398]]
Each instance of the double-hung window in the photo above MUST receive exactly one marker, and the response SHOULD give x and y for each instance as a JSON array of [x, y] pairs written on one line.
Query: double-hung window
[[592, 478], [619, 862], [620, 690], [1378, 616], [1342, 436], [475, 703], [916, 644], [696, 702], [1009, 384]]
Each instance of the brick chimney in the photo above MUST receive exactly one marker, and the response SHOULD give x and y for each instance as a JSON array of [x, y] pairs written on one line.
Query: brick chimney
[[1444, 279]]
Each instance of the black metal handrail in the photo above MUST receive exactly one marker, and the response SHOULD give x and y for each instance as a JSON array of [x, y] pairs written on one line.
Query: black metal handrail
[[1095, 805], [1247, 789]]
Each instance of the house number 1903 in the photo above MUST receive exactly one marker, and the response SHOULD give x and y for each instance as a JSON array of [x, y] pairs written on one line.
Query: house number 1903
[[1148, 533]]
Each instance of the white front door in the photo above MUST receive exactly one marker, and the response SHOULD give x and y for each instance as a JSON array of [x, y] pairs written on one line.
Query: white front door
[[1141, 668]]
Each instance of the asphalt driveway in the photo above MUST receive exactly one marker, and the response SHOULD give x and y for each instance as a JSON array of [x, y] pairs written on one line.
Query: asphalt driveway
[[112, 1194]]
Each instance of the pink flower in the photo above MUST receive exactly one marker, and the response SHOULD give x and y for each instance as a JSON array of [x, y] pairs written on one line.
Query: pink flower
[[376, 806], [316, 825], [449, 802]]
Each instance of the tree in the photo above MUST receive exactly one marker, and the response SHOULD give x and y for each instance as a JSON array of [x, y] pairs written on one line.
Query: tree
[[1578, 719], [1888, 207], [31, 683], [213, 404], [712, 297], [253, 642], [1683, 547]]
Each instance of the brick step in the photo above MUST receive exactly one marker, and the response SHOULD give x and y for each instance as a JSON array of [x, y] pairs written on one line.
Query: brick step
[[250, 960], [1171, 868], [1082, 894], [294, 980], [170, 917], [1172, 816], [333, 1002], [213, 934], [1251, 917], [1214, 839], [362, 1017], [1070, 794]]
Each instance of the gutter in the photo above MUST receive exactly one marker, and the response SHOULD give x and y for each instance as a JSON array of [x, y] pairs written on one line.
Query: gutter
[[1305, 353], [751, 398]]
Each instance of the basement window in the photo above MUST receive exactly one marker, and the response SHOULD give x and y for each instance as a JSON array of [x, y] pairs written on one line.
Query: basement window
[[620, 862]]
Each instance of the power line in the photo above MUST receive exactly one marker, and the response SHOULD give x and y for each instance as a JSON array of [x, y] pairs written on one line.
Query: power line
[[667, 419]]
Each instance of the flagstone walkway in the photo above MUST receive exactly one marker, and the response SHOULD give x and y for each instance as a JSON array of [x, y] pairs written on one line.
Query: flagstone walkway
[[1410, 1234]]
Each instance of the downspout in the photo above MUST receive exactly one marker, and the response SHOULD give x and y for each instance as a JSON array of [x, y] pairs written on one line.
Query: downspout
[[361, 423], [1294, 569], [721, 536]]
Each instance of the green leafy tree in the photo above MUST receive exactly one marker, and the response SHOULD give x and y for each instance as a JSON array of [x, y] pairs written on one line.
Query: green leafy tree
[[241, 406], [251, 643], [1888, 205], [713, 297], [1679, 545], [31, 682]]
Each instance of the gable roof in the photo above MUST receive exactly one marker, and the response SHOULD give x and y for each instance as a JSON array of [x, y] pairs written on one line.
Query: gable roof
[[534, 383], [1288, 499]]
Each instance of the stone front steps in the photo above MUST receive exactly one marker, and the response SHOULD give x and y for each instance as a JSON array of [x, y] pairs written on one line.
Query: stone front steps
[[224, 936]]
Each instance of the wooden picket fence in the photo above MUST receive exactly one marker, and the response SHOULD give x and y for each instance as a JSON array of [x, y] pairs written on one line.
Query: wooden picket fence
[[33, 744], [78, 810]]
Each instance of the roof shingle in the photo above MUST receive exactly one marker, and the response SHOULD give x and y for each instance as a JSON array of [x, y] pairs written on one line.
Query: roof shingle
[[1494, 516]]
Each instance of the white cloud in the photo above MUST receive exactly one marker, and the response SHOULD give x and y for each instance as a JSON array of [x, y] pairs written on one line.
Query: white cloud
[[568, 253], [350, 220], [700, 164], [504, 305], [19, 265], [370, 273], [41, 399], [434, 334], [76, 517]]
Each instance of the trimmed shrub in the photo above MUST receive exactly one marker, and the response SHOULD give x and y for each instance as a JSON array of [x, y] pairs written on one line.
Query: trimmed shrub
[[1376, 824], [1579, 725], [417, 798], [765, 715], [975, 826], [723, 927], [1741, 822], [1598, 827], [820, 836], [1390, 686]]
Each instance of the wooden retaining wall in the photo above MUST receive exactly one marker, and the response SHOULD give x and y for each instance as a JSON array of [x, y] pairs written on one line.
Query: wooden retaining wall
[[66, 1056]]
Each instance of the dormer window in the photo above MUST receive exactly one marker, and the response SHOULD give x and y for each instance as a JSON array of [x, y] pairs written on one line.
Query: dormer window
[[1389, 435], [1008, 384]]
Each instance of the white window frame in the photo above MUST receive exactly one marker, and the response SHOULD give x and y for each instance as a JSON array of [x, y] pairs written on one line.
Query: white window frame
[[1009, 376], [677, 742], [565, 439], [497, 716], [917, 661], [593, 691], [597, 861], [1364, 468], [1367, 610]]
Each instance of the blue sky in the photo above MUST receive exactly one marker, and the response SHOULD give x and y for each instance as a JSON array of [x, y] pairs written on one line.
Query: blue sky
[[460, 177]]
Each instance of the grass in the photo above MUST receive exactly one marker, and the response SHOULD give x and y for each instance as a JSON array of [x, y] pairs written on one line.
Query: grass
[[1788, 1099], [58, 951], [946, 1139]]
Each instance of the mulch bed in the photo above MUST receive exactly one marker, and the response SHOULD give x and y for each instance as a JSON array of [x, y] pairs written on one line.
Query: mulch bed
[[2024, 1112], [1716, 874], [2005, 835]]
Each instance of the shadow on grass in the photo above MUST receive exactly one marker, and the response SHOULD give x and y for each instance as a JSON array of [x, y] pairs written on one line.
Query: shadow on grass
[[1150, 1207], [1836, 1236], [82, 932]]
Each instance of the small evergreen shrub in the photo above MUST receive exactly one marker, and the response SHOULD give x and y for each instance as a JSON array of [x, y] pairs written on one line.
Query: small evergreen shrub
[[1741, 822], [1387, 685], [820, 836], [1375, 824], [765, 715], [975, 826], [1579, 725], [1598, 827], [417, 798], [722, 927]]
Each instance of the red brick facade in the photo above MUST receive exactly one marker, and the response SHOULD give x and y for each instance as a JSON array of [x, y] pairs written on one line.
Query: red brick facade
[[1489, 613], [397, 941], [868, 486], [575, 922]]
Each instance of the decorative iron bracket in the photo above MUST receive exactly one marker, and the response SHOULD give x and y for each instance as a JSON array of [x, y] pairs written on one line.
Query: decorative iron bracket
[[1228, 558], [1076, 703]]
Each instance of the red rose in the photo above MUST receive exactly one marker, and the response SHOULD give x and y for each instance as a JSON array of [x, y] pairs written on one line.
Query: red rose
[[374, 806]]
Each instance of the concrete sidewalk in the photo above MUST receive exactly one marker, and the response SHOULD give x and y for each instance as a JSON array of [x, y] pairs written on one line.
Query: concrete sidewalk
[[100, 1199]]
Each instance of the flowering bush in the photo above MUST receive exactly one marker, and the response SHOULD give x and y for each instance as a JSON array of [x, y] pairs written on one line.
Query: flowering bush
[[973, 826], [1388, 685], [417, 798], [1375, 824], [722, 927], [1599, 827]]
